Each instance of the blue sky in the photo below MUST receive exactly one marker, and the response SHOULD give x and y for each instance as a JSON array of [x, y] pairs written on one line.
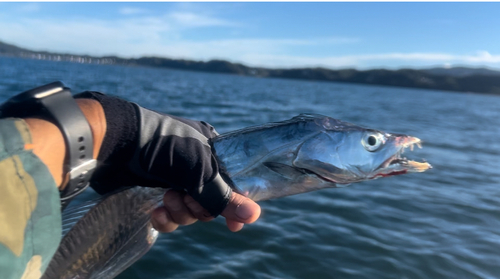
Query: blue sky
[[278, 35]]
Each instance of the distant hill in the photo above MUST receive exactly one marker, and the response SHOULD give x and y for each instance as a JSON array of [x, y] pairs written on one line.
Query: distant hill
[[9, 49], [462, 79], [462, 72]]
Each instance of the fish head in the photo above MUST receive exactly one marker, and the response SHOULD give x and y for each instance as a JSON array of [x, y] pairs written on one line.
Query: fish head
[[349, 153]]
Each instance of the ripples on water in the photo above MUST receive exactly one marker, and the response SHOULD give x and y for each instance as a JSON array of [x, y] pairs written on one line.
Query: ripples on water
[[444, 223]]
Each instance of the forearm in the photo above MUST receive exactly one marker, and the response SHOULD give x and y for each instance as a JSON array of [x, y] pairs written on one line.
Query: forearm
[[49, 144]]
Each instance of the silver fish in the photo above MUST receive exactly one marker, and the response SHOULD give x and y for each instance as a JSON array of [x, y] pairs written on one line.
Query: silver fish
[[310, 152], [306, 153]]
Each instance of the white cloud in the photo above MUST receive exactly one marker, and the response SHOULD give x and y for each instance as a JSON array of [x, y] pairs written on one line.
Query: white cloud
[[371, 60], [144, 35], [95, 37], [196, 20], [484, 57], [163, 36]]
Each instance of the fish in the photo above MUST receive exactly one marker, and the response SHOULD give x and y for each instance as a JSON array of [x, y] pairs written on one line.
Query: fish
[[101, 238], [310, 152]]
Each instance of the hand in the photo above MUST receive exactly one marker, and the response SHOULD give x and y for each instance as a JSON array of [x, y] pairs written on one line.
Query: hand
[[147, 148], [179, 209], [182, 209]]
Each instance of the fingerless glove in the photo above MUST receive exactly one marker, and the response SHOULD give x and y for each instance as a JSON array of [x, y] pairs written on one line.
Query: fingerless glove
[[146, 148]]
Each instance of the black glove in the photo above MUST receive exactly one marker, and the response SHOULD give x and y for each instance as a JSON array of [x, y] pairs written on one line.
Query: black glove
[[147, 148]]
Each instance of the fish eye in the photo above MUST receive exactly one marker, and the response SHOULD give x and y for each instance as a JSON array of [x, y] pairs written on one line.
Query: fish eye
[[372, 141]]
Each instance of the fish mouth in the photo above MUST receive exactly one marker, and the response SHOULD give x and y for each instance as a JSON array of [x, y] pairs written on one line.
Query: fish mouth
[[397, 164]]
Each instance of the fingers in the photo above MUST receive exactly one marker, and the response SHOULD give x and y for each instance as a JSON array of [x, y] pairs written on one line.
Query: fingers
[[197, 210], [162, 222], [174, 204], [180, 209], [240, 210], [234, 226]]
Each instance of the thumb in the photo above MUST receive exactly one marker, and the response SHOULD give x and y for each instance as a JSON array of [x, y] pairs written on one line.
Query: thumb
[[240, 210]]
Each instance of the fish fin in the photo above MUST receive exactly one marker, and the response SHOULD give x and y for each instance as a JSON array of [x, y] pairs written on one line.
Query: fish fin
[[111, 236], [284, 170], [72, 215]]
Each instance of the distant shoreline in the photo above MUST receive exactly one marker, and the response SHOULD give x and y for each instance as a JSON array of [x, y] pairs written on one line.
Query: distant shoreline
[[459, 79]]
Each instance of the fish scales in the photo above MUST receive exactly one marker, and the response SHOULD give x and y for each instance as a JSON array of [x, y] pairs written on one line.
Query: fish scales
[[237, 150], [242, 155]]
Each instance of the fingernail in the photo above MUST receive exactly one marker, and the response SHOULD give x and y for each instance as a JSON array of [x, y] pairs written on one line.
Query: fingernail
[[162, 219], [243, 211], [207, 215]]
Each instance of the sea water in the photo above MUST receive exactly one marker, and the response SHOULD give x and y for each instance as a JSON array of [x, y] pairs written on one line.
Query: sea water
[[444, 223]]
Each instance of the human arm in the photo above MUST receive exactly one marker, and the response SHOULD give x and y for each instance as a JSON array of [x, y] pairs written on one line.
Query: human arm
[[48, 139], [179, 209]]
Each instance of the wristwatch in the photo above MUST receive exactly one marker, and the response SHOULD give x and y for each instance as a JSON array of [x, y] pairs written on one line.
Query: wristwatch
[[53, 102]]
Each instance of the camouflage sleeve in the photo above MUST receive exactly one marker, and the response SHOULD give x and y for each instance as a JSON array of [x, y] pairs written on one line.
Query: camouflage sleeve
[[30, 218]]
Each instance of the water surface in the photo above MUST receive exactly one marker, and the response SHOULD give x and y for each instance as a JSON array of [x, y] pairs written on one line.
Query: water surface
[[444, 223]]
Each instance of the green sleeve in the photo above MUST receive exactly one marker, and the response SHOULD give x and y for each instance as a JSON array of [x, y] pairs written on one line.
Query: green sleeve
[[30, 214]]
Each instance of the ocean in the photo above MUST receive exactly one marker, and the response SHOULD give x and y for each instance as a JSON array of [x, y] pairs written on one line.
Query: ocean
[[444, 223]]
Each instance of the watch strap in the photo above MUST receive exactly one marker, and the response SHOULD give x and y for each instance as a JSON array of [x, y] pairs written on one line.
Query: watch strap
[[53, 102], [79, 164]]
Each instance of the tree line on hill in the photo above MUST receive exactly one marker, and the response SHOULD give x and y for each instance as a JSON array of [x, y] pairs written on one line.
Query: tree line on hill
[[462, 79]]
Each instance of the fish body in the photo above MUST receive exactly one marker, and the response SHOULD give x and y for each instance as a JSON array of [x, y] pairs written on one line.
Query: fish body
[[305, 153], [309, 152]]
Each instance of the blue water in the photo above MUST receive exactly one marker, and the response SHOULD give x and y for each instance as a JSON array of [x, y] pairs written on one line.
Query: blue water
[[444, 223]]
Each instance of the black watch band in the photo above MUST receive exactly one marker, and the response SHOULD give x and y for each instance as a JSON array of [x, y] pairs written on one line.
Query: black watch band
[[54, 102]]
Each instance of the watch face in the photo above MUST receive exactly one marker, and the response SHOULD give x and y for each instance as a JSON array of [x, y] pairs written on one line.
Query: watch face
[[27, 103]]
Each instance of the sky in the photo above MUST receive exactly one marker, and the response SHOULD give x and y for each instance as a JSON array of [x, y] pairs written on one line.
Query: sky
[[276, 35]]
